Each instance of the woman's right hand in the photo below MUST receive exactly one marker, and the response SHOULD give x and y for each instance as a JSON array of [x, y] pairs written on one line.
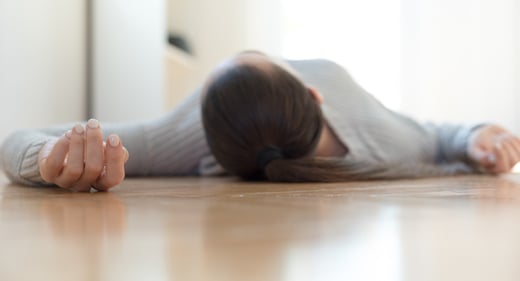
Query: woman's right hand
[[494, 149], [80, 159]]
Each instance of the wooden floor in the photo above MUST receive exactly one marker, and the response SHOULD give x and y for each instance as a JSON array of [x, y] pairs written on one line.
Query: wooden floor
[[463, 228]]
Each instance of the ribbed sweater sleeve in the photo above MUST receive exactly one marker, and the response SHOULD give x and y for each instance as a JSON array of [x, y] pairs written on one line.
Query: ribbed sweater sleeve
[[19, 155], [452, 140], [173, 144]]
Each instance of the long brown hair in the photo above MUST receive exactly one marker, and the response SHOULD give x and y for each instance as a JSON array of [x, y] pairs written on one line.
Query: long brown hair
[[262, 123], [249, 112]]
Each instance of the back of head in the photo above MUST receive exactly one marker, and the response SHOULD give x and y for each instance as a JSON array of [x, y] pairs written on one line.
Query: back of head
[[254, 116]]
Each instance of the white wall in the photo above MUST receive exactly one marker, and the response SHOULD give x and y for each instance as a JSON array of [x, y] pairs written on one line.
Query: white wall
[[214, 29], [41, 63], [461, 60], [128, 59], [363, 36], [516, 16], [219, 29], [264, 26]]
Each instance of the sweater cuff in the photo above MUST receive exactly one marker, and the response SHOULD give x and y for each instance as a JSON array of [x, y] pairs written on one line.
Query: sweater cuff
[[27, 171], [464, 137]]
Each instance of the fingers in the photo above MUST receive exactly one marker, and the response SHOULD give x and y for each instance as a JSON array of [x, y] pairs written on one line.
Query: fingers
[[75, 160], [511, 145], [502, 158], [116, 156], [52, 157], [507, 151], [494, 149], [516, 145], [94, 154], [81, 159]]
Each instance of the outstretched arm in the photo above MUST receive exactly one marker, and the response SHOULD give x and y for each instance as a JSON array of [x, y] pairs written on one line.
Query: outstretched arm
[[488, 148], [171, 145]]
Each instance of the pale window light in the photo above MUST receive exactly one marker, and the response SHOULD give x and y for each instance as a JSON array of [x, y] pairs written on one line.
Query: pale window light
[[363, 36]]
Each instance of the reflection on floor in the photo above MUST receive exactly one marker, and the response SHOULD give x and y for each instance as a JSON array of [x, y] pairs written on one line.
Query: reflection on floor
[[461, 228]]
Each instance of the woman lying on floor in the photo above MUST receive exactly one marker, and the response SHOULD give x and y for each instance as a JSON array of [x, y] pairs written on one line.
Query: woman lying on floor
[[260, 118]]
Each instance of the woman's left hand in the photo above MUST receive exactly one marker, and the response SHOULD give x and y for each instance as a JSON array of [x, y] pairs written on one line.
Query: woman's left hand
[[494, 149]]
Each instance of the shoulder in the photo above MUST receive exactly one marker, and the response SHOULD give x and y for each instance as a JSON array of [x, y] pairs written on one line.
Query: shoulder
[[318, 70], [326, 75], [319, 63]]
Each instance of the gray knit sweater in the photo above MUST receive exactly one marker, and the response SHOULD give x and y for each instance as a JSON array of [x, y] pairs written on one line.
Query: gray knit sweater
[[175, 144]]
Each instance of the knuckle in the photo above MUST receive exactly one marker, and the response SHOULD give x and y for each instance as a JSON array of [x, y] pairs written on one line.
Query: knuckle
[[93, 169], [74, 172], [110, 182], [113, 180], [500, 169]]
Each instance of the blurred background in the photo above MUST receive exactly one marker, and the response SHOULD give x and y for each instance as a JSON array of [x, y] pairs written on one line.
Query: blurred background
[[123, 60]]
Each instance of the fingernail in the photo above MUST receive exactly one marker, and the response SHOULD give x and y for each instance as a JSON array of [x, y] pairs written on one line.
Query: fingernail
[[93, 123], [79, 129], [113, 140], [68, 134]]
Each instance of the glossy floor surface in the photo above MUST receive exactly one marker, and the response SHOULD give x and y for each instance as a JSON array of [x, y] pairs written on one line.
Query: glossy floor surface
[[462, 228]]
